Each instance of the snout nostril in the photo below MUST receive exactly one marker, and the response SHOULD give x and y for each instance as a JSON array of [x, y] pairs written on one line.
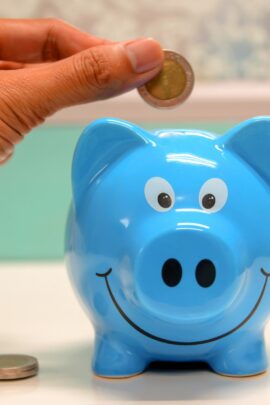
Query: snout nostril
[[171, 272], [205, 273]]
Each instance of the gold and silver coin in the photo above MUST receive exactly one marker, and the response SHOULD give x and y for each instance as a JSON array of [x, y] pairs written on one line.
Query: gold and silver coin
[[16, 366], [172, 85]]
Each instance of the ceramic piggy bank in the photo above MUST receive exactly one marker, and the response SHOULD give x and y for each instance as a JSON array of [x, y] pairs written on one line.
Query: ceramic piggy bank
[[168, 245]]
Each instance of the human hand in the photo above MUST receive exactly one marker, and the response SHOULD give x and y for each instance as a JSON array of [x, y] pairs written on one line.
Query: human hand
[[46, 65]]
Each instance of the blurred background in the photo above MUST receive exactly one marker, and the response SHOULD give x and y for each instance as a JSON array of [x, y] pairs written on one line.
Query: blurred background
[[224, 39], [227, 43]]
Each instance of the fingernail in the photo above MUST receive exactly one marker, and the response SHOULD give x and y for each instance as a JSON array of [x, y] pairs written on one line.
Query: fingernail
[[144, 54]]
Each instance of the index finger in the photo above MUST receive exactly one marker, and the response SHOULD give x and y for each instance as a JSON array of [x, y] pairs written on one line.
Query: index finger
[[42, 40]]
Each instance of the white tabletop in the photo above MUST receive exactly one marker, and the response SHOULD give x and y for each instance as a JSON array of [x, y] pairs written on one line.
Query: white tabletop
[[40, 316]]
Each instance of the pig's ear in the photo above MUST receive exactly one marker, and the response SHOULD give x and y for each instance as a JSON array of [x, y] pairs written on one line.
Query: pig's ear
[[251, 141], [102, 143]]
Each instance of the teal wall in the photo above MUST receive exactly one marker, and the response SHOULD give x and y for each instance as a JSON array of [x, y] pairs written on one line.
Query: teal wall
[[35, 192]]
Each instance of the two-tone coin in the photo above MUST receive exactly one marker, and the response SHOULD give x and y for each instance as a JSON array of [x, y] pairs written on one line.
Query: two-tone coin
[[17, 366], [172, 85]]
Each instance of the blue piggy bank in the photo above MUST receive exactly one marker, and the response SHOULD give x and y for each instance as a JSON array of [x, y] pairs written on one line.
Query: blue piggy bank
[[168, 245]]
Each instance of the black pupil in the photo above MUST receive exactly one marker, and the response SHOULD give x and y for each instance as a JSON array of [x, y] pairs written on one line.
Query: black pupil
[[205, 273], [164, 200], [171, 272], [208, 201]]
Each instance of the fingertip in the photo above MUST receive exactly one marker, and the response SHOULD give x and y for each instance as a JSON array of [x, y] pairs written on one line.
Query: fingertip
[[144, 54]]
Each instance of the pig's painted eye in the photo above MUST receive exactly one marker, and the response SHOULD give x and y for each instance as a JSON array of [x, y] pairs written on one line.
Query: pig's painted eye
[[159, 194], [213, 195]]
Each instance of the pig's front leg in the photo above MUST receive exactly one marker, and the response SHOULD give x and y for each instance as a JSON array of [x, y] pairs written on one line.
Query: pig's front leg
[[116, 357], [245, 356]]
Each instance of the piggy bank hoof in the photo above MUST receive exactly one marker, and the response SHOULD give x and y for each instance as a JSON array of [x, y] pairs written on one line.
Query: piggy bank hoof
[[115, 359], [243, 359], [243, 375], [117, 377]]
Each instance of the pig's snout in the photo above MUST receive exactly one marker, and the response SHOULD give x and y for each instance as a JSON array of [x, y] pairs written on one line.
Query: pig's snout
[[188, 274]]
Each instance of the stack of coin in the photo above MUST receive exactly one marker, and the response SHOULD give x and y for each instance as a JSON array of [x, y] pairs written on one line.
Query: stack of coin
[[16, 366], [172, 85]]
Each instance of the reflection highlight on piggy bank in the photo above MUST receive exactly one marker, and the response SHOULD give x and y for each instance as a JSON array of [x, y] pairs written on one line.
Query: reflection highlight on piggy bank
[[168, 245]]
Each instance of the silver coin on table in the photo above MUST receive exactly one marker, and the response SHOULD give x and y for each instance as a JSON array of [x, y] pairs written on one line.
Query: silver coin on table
[[172, 85], [16, 366]]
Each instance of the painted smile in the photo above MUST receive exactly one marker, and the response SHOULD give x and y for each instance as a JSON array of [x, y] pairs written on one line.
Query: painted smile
[[175, 342]]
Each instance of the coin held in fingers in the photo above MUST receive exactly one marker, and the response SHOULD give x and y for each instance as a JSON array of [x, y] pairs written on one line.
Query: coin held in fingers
[[17, 366], [172, 85]]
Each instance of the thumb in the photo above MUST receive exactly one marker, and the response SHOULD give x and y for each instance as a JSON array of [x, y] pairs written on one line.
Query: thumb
[[93, 74], [105, 71]]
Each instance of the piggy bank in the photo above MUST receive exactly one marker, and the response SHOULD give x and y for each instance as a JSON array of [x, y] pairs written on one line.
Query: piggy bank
[[168, 245]]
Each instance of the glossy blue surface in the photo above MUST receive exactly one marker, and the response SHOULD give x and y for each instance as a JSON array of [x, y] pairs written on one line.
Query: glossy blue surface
[[168, 245]]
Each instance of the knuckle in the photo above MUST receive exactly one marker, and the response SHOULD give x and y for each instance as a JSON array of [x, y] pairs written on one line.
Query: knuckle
[[20, 107], [50, 49], [52, 21], [95, 68], [5, 159], [6, 148], [12, 118], [9, 132]]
